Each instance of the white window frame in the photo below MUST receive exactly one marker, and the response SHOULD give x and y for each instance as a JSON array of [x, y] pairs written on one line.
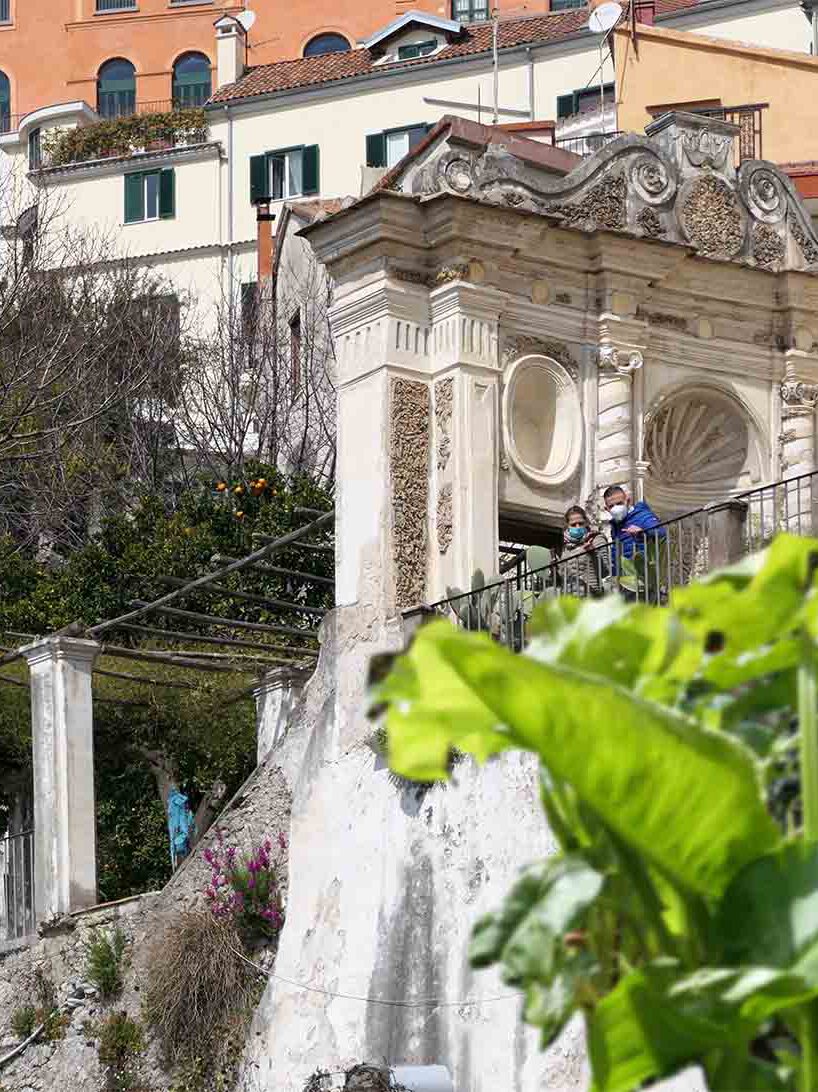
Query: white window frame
[[288, 157]]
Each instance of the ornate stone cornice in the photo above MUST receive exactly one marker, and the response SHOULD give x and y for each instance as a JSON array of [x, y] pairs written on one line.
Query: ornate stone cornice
[[677, 183]]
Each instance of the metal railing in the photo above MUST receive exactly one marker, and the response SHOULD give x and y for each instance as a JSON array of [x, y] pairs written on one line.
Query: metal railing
[[748, 119], [116, 5], [17, 919], [643, 567], [586, 143]]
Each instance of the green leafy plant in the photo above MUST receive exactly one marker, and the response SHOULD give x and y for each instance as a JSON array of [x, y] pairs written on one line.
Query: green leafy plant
[[121, 1041], [678, 917], [24, 1021], [123, 136], [104, 965]]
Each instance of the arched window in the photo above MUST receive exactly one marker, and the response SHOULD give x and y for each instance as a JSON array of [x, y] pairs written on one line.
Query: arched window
[[191, 80], [5, 103], [326, 43], [116, 89]]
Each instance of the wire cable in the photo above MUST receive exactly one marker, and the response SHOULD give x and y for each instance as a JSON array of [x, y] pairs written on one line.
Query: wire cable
[[420, 1004]]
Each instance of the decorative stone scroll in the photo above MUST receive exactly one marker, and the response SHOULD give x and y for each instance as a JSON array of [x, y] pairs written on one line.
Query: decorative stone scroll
[[620, 362], [409, 465], [796, 394]]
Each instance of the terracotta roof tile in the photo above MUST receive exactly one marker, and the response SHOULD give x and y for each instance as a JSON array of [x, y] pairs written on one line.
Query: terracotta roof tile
[[475, 38]]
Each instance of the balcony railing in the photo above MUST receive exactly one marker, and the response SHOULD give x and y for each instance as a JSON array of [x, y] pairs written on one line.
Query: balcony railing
[[586, 143], [115, 5], [670, 555], [17, 886], [748, 119]]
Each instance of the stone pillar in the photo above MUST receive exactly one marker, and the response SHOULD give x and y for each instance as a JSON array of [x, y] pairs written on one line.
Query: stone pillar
[[65, 866], [465, 502], [797, 456], [615, 436], [726, 538], [276, 697]]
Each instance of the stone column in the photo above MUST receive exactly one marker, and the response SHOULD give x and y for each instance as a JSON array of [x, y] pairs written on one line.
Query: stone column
[[798, 455], [615, 436], [65, 867], [465, 502], [276, 697]]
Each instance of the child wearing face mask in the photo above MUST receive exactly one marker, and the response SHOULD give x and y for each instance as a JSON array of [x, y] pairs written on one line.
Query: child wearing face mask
[[583, 554]]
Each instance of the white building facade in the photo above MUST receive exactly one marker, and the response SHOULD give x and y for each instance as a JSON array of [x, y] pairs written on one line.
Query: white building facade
[[328, 126]]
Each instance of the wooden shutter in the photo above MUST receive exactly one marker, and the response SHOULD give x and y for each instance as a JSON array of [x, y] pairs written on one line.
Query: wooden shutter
[[565, 105], [258, 179], [376, 150], [134, 198], [309, 169], [167, 193]]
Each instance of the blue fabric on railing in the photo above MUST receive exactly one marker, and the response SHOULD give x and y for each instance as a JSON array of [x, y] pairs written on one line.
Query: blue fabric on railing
[[180, 823]]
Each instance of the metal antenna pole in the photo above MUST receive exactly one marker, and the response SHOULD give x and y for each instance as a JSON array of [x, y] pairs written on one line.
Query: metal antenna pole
[[496, 59]]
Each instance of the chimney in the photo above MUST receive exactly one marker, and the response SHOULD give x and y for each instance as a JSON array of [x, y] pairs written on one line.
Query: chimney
[[264, 230], [645, 12], [231, 39]]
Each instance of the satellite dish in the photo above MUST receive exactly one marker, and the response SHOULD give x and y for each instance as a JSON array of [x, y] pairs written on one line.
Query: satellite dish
[[247, 18], [603, 15]]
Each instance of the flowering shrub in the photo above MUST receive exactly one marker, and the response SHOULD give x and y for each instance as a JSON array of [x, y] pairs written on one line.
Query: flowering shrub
[[245, 887]]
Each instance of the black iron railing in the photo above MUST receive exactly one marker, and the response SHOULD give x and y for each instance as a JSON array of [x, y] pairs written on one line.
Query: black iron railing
[[586, 143], [17, 886], [644, 567], [748, 118]]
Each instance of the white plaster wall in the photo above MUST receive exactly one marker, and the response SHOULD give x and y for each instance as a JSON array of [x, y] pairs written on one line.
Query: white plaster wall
[[96, 198], [774, 25]]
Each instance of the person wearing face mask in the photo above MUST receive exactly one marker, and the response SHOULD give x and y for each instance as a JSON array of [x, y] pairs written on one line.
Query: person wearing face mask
[[629, 522], [583, 554]]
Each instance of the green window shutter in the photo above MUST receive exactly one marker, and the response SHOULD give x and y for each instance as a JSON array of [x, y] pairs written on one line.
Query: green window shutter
[[309, 168], [376, 150], [167, 193], [565, 105], [259, 190], [134, 198]]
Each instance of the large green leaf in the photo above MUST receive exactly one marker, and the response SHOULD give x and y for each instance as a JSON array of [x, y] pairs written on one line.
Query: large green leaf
[[638, 1033], [769, 913], [686, 798], [746, 616], [528, 932], [528, 936]]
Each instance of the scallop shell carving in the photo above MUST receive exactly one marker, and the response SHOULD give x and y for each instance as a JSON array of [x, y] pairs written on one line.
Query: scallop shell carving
[[694, 438]]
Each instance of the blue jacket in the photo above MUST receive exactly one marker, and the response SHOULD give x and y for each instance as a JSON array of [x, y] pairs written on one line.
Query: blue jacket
[[642, 516]]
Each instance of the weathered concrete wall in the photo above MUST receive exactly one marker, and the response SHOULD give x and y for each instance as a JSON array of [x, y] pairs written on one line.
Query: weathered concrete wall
[[385, 887]]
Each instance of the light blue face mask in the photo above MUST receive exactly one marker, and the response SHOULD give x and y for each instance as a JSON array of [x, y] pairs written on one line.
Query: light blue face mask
[[577, 534]]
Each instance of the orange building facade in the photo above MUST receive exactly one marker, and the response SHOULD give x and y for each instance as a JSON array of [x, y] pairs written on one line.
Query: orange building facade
[[54, 51]]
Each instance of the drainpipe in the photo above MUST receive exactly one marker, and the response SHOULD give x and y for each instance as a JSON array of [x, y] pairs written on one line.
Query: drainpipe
[[496, 63], [230, 293], [530, 56]]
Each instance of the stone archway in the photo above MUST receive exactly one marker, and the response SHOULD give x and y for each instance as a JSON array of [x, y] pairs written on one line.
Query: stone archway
[[701, 444]]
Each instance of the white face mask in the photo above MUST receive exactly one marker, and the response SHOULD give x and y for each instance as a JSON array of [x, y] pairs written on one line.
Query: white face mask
[[618, 512]]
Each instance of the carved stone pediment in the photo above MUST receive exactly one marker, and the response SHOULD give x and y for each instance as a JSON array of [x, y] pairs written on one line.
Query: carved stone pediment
[[678, 183]]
